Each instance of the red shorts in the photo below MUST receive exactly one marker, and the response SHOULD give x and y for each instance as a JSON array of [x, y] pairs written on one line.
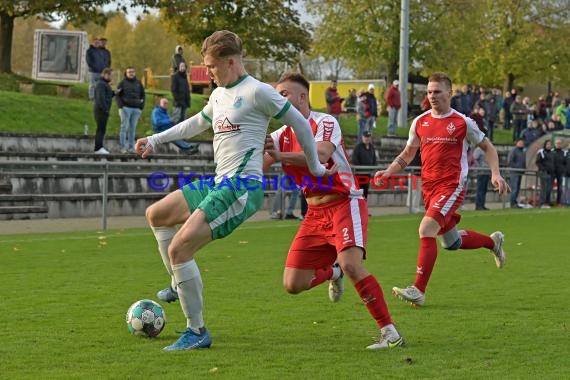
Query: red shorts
[[441, 204], [326, 231]]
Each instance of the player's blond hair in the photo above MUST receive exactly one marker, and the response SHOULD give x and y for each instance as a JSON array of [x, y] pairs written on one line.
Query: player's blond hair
[[440, 77], [221, 44]]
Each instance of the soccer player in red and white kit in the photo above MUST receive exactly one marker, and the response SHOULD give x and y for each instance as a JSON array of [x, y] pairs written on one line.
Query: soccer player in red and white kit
[[442, 134], [335, 226]]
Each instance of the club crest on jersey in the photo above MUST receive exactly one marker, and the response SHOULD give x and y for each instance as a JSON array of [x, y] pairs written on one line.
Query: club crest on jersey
[[238, 101], [223, 126], [328, 127], [450, 128]]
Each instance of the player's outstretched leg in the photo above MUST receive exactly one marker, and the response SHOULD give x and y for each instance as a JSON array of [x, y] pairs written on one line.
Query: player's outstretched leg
[[336, 284], [410, 294], [498, 253]]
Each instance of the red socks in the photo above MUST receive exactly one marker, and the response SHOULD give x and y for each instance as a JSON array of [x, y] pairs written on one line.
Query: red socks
[[371, 294], [320, 276], [426, 261], [473, 240]]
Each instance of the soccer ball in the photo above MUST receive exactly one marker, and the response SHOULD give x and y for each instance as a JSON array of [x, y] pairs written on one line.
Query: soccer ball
[[146, 318]]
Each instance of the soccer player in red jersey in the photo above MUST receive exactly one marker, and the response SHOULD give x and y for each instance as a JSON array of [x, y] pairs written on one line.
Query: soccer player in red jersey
[[335, 226], [442, 134]]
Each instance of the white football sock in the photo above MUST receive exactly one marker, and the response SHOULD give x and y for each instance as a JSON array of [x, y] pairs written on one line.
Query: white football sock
[[336, 271], [164, 236], [189, 282]]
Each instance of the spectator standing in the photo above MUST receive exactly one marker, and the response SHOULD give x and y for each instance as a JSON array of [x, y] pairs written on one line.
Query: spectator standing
[[455, 101], [362, 113], [508, 116], [350, 102], [102, 101], [394, 103], [95, 65], [516, 160], [180, 89], [130, 99], [559, 169], [373, 107], [545, 164], [519, 112], [483, 177], [560, 112], [541, 109], [334, 101], [288, 183], [161, 121], [177, 58], [364, 154]]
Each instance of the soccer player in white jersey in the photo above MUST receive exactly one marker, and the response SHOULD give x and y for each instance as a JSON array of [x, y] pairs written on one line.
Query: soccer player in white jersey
[[239, 110], [443, 135], [335, 226]]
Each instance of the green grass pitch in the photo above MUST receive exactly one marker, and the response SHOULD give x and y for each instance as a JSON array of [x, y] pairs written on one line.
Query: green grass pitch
[[64, 297]]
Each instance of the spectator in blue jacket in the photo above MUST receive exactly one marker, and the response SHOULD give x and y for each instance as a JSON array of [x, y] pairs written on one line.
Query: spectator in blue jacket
[[161, 121]]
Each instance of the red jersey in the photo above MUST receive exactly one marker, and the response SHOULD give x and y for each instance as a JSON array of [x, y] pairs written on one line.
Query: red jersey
[[325, 128], [443, 141]]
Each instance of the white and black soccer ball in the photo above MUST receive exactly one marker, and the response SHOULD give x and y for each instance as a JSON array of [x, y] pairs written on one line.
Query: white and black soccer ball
[[146, 318]]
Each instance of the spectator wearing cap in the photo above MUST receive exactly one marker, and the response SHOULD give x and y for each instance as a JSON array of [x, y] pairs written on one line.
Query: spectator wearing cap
[[373, 108], [334, 101], [177, 58], [394, 103], [364, 154]]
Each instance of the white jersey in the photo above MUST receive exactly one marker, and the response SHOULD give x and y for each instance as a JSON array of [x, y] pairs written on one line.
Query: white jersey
[[240, 114]]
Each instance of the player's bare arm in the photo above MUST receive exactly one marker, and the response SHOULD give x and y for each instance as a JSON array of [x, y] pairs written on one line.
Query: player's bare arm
[[399, 163], [492, 158]]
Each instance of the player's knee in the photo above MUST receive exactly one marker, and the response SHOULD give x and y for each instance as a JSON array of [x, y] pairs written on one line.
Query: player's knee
[[151, 215], [351, 270], [292, 287], [453, 246]]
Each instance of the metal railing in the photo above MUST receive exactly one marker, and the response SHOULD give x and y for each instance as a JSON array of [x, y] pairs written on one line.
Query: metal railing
[[530, 186]]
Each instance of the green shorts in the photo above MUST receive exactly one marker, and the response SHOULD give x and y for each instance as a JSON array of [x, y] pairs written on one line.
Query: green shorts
[[226, 204]]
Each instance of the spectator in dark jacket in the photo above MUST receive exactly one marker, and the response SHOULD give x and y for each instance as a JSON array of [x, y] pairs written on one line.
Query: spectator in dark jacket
[[130, 99], [180, 89], [364, 154], [101, 107], [516, 160], [97, 58], [559, 169], [161, 121], [177, 58], [531, 133], [545, 164]]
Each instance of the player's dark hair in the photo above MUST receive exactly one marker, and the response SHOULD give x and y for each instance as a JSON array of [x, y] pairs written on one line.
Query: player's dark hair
[[441, 78], [294, 77]]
